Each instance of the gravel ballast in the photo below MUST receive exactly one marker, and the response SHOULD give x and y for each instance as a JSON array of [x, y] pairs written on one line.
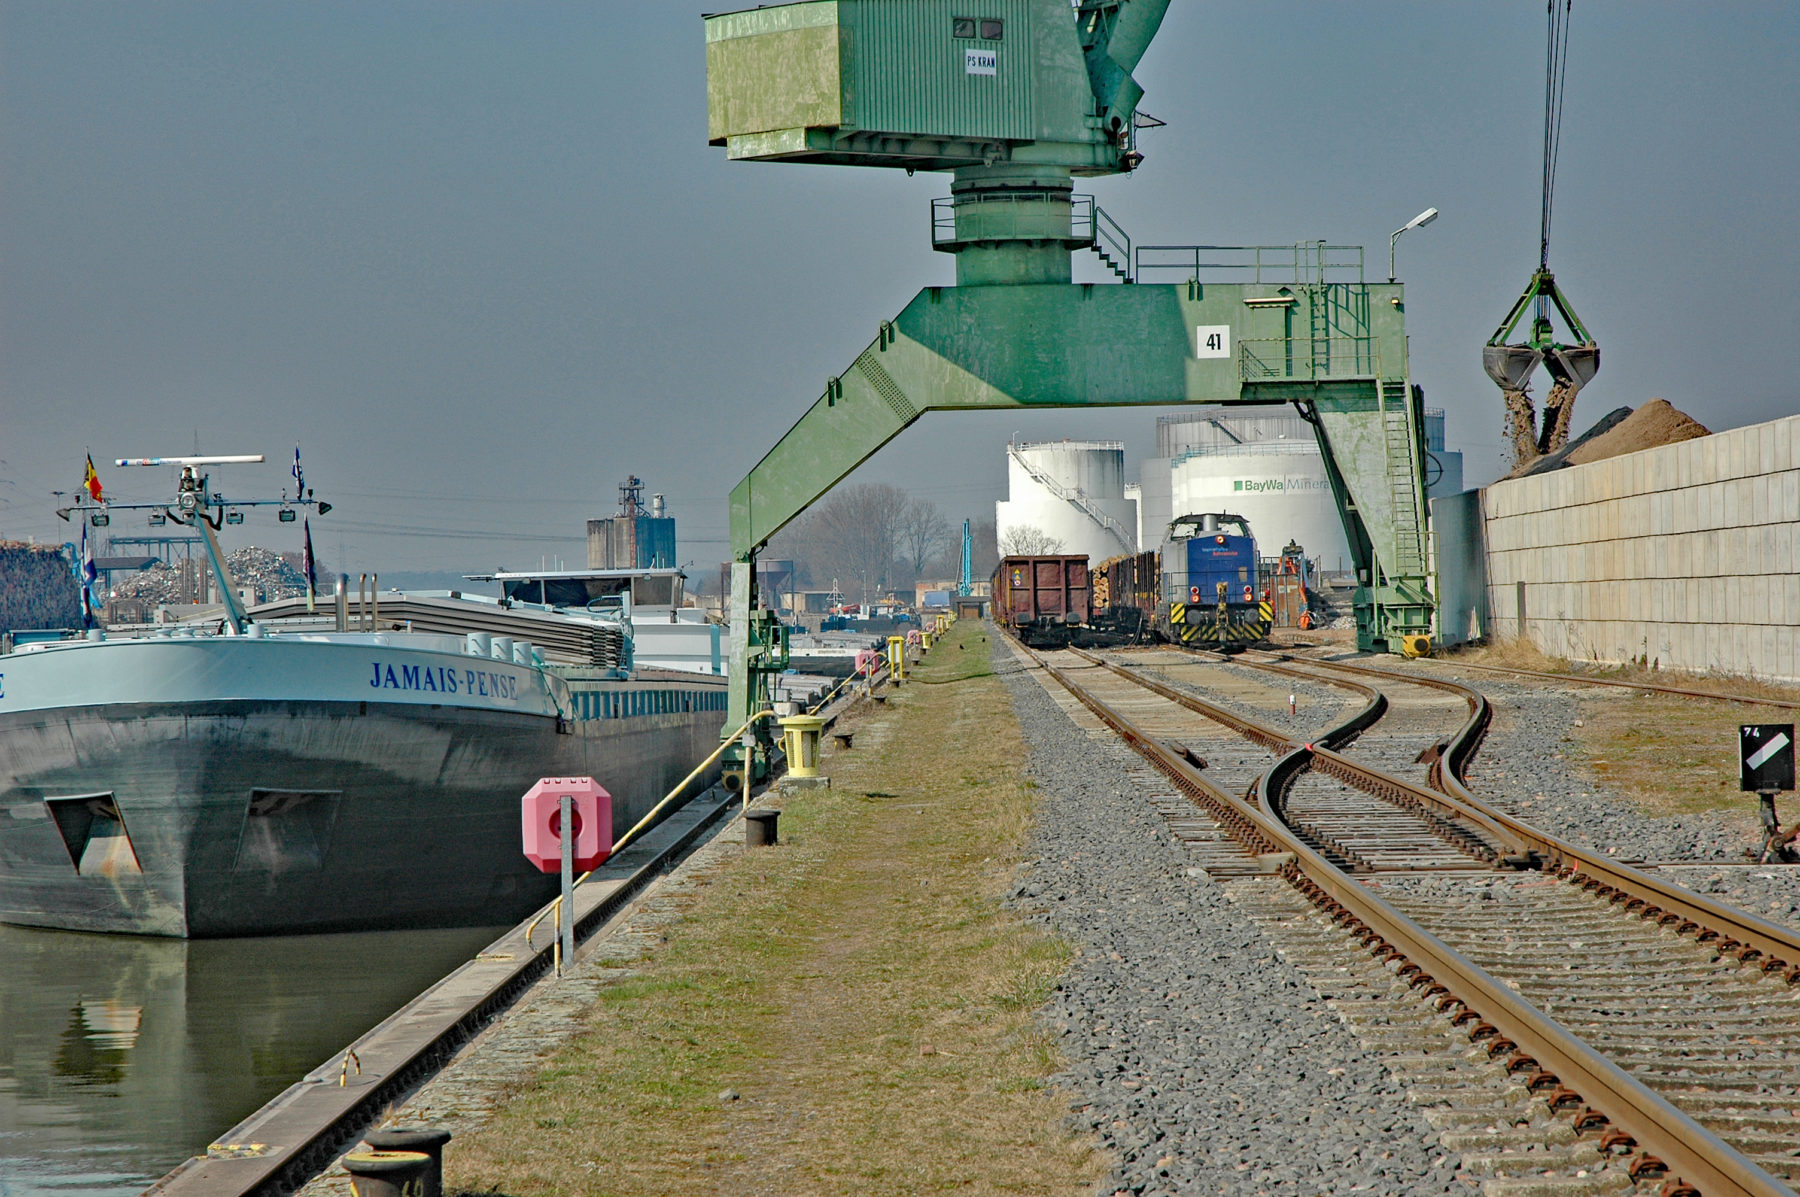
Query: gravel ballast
[[1201, 1061], [1522, 768]]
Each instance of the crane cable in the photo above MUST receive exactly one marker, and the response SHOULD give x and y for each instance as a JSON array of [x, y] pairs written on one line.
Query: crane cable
[[1556, 69]]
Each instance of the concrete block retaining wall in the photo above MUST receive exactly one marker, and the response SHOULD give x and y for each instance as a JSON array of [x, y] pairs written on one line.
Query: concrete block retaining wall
[[1686, 555]]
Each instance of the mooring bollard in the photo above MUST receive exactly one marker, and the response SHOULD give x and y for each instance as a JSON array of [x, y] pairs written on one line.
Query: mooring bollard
[[800, 741], [759, 828], [387, 1173], [925, 641], [426, 1140], [896, 659]]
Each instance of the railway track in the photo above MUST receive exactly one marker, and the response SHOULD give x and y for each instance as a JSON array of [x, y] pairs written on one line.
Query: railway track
[[1661, 1025]]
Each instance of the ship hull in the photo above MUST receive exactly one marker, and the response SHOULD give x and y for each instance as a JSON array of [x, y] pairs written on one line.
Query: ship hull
[[270, 816]]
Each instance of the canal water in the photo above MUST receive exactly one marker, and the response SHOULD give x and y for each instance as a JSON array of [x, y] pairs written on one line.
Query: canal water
[[122, 1056]]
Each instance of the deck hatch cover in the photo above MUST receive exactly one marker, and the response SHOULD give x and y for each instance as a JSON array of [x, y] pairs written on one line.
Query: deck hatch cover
[[94, 834]]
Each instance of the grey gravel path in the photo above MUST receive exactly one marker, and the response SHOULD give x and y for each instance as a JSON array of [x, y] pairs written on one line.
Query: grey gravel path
[[1200, 1059]]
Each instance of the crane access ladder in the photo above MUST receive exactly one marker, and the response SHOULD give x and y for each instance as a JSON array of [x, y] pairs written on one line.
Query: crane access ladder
[[1404, 482]]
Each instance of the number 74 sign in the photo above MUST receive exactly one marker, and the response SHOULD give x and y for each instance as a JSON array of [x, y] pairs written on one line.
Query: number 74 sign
[[1766, 757]]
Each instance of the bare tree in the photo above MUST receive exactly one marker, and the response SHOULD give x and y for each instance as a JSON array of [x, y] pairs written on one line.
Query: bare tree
[[923, 529], [854, 536], [1028, 540]]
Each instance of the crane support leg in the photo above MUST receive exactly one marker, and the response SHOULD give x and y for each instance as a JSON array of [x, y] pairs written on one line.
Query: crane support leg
[[1083, 345]]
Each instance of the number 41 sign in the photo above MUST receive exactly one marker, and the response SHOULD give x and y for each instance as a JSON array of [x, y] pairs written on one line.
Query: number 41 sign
[[1212, 340]]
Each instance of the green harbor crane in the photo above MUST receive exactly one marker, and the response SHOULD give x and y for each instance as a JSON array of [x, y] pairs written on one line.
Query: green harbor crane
[[1016, 100]]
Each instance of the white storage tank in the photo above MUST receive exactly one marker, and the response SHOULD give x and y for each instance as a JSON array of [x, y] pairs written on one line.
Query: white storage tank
[[1263, 463], [1073, 493]]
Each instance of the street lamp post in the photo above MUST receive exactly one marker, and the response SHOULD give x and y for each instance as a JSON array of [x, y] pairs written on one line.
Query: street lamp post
[[1423, 218]]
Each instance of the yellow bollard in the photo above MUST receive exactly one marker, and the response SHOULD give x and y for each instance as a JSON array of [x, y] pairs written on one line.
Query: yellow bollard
[[800, 735], [897, 658], [925, 641]]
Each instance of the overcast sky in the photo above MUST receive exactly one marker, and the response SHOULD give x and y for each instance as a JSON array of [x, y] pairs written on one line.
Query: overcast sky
[[478, 260]]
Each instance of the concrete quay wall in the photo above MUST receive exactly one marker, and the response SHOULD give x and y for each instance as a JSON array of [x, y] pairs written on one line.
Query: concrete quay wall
[[1687, 556]]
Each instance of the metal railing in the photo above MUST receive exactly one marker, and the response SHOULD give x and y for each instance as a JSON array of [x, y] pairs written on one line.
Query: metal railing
[[876, 672], [1090, 222], [1300, 263], [1278, 359], [1078, 499], [1026, 215], [1010, 217]]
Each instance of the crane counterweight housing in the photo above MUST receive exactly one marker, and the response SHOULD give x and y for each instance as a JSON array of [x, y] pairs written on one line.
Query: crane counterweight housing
[[927, 87]]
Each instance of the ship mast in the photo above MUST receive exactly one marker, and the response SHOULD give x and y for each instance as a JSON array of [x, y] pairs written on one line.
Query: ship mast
[[194, 499]]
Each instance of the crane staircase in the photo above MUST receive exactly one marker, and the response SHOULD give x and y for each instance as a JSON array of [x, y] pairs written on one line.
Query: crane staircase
[[1404, 482], [1074, 496], [1110, 243]]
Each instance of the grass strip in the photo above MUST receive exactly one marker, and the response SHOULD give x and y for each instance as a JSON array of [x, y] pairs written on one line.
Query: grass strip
[[849, 1012]]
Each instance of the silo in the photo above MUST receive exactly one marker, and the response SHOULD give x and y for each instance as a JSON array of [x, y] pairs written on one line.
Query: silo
[[1072, 492]]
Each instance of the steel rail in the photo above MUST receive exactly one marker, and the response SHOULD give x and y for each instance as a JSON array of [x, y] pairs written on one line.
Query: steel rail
[[1506, 846], [1507, 1024], [1738, 699], [1454, 751], [1776, 948], [1513, 1027]]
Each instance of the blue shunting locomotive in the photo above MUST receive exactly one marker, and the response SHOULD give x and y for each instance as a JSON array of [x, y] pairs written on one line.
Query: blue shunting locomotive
[[1201, 588]]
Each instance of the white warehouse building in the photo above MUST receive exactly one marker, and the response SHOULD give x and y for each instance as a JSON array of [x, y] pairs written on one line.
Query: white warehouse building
[[1262, 463], [1071, 492]]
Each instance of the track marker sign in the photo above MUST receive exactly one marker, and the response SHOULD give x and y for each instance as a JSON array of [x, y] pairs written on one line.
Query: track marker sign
[[1765, 757]]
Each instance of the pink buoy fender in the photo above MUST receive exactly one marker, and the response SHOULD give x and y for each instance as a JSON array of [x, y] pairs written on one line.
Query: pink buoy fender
[[541, 822]]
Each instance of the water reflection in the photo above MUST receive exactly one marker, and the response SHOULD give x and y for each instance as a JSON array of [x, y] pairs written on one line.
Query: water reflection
[[121, 1056]]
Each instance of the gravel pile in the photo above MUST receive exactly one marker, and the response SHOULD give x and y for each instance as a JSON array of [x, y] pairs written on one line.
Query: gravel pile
[[1201, 1061]]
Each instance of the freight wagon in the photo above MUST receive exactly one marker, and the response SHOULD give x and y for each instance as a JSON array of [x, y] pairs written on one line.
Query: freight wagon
[[1202, 588], [1045, 600]]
